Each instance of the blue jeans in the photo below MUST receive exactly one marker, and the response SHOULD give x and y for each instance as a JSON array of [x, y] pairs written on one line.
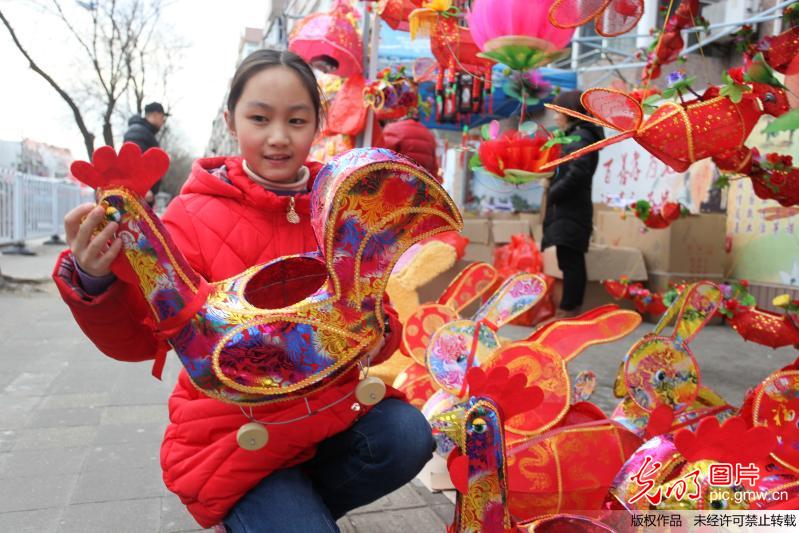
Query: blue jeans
[[381, 452]]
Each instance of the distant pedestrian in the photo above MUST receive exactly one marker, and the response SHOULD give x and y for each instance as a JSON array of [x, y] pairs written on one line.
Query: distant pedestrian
[[142, 130]]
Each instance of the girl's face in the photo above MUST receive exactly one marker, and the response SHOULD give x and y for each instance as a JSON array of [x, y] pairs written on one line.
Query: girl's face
[[274, 122]]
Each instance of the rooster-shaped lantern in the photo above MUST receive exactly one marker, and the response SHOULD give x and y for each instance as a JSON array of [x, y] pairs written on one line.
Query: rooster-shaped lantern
[[286, 328], [478, 466], [561, 453]]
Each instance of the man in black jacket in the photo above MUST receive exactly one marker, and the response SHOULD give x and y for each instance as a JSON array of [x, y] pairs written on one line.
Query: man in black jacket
[[142, 130]]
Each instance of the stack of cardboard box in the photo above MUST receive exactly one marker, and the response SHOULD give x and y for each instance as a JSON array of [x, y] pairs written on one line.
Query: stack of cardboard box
[[691, 249], [602, 262], [489, 230]]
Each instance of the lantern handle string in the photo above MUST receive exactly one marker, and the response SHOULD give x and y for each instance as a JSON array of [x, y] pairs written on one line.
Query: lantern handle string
[[701, 51]]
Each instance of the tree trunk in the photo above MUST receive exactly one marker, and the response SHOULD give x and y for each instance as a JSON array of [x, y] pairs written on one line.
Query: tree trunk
[[88, 137]]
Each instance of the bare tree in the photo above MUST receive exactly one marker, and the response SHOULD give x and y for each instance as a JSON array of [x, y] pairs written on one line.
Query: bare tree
[[116, 37], [88, 136]]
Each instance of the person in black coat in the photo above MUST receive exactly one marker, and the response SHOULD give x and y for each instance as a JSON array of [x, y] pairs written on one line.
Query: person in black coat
[[142, 130], [569, 212]]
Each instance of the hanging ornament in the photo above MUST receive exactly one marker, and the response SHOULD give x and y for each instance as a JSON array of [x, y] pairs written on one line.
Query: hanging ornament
[[666, 46], [680, 133], [329, 42], [516, 156], [517, 33], [392, 96], [774, 177], [658, 216], [422, 21], [611, 17], [395, 12], [464, 78]]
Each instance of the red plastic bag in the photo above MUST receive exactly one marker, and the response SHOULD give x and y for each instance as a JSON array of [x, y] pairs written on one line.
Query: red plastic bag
[[521, 254]]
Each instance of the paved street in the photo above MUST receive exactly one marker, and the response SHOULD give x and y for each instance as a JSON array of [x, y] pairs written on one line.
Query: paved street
[[80, 433]]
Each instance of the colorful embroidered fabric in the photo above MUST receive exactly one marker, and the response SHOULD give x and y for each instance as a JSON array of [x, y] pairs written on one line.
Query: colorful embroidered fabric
[[478, 466], [286, 328], [469, 285]]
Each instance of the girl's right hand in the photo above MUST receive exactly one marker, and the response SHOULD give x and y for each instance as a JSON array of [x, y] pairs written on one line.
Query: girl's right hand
[[93, 253]]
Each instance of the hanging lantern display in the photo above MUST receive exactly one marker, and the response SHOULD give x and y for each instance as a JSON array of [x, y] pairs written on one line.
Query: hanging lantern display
[[329, 42], [517, 33], [392, 96], [463, 81], [611, 17], [395, 12], [663, 133], [667, 45]]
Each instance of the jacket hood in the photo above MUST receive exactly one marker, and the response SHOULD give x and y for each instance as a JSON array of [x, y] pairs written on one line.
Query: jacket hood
[[225, 177]]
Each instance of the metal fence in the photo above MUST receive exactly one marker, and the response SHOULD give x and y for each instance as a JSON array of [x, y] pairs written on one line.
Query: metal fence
[[32, 207]]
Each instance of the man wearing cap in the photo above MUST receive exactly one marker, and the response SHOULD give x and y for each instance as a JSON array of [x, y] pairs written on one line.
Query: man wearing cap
[[141, 131]]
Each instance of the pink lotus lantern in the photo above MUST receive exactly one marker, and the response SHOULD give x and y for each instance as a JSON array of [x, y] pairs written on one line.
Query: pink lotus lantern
[[517, 33], [329, 41]]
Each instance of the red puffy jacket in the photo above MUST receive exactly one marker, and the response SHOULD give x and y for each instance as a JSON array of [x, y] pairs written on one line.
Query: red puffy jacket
[[411, 138], [223, 225]]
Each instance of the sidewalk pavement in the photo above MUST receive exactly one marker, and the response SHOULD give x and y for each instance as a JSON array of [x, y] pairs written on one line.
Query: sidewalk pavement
[[31, 267], [80, 433]]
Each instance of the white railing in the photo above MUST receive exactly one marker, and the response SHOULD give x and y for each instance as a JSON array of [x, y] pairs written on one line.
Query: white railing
[[32, 207]]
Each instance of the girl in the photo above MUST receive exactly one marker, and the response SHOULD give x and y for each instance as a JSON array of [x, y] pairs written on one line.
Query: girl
[[233, 213], [569, 212]]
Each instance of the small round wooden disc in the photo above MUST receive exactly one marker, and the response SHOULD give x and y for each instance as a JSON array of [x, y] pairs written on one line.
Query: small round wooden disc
[[252, 436], [370, 390]]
